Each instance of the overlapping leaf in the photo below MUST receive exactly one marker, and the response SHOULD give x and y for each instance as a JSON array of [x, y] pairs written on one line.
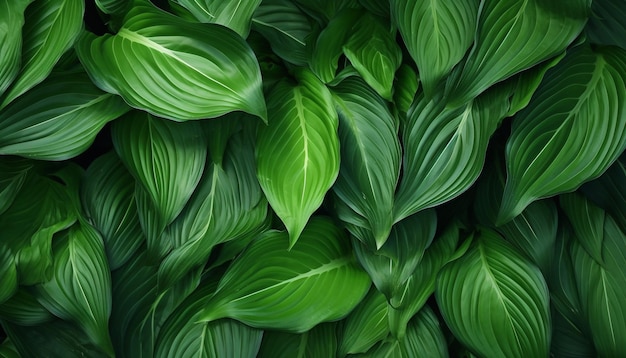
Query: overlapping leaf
[[173, 68], [320, 341], [298, 152], [609, 191], [571, 131], [235, 14], [23, 309], [13, 173], [11, 19], [605, 24], [365, 325], [8, 274]]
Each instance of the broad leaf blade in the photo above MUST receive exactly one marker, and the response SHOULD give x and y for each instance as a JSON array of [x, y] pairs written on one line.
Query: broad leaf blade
[[234, 14], [11, 22], [365, 325], [298, 152]]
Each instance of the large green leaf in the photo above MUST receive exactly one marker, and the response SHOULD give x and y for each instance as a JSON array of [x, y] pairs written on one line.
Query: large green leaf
[[572, 130], [58, 119], [205, 73], [108, 201], [436, 33], [235, 14], [165, 157], [496, 301], [606, 25], [370, 159], [514, 35], [365, 325], [298, 152], [320, 341], [50, 30], [269, 286], [80, 288], [11, 19]]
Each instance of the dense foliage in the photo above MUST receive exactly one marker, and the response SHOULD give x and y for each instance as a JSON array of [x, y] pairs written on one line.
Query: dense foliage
[[312, 178]]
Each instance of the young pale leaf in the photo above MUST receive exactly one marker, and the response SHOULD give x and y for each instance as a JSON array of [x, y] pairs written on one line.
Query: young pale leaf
[[58, 119], [365, 325], [495, 301], [606, 25], [165, 157], [436, 33], [268, 286], [50, 30], [234, 14], [370, 152], [572, 130], [205, 73], [320, 341], [80, 288], [513, 36], [298, 152], [11, 22]]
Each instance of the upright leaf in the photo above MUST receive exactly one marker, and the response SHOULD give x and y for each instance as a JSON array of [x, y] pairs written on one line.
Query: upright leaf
[[370, 153], [572, 130], [205, 73], [235, 14], [50, 30], [513, 36], [320, 341], [495, 301], [298, 152], [268, 286], [11, 22], [436, 33]]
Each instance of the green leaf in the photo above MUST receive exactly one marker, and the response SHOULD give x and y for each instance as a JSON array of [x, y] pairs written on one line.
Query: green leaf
[[405, 88], [320, 341], [609, 191], [205, 73], [605, 24], [80, 288], [58, 119], [23, 309], [365, 325], [372, 50], [268, 286], [437, 34], [8, 350], [325, 10], [370, 153], [50, 30], [108, 199], [13, 173], [8, 274], [115, 8], [572, 130], [165, 157], [587, 221], [234, 14], [11, 22], [495, 301], [298, 152]]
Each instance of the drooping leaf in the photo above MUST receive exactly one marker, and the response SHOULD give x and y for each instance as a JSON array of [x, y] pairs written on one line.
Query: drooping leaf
[[205, 73], [496, 301], [298, 152], [80, 288], [370, 159], [605, 24], [437, 34], [320, 341], [23, 309], [58, 119], [269, 286], [234, 14], [513, 36], [11, 22], [571, 131], [50, 30], [365, 325]]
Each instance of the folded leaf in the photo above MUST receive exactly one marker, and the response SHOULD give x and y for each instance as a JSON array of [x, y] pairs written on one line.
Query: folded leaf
[[235, 14], [268, 286], [11, 19], [572, 130], [205, 73], [298, 152]]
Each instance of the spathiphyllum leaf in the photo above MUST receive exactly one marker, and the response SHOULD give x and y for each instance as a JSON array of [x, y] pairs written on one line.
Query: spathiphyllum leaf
[[496, 301], [514, 35], [165, 157], [50, 30], [320, 341], [80, 288], [605, 24], [370, 165], [298, 151], [365, 325], [58, 119], [268, 286], [436, 33], [235, 14], [571, 131], [11, 21], [173, 68]]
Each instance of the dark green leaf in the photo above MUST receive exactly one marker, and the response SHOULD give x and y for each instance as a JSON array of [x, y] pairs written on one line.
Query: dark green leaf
[[235, 14], [609, 191], [11, 22], [13, 173], [606, 25], [8, 274], [320, 341], [23, 309]]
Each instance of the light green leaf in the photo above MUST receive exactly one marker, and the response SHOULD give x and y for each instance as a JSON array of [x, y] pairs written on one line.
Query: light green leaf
[[365, 325], [50, 30], [234, 14], [606, 25], [165, 157], [23, 309], [495, 301], [572, 130], [298, 152], [370, 159], [108, 199], [8, 274], [11, 22], [80, 288], [205, 73], [268, 286], [58, 119], [437, 34], [320, 341], [514, 35]]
